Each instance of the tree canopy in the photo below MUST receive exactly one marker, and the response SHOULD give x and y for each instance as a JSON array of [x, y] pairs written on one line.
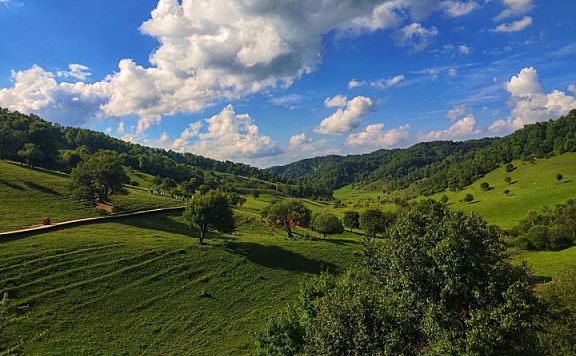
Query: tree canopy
[[99, 176], [327, 224], [439, 283], [287, 214], [210, 211]]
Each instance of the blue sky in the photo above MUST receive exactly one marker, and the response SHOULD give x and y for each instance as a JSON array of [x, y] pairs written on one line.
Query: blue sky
[[267, 82]]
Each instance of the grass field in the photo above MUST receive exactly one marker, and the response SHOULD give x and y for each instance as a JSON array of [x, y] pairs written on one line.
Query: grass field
[[533, 186], [148, 287], [547, 263], [27, 195]]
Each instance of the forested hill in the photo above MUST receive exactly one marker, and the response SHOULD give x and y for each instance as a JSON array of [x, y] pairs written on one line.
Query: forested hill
[[58, 147], [435, 166]]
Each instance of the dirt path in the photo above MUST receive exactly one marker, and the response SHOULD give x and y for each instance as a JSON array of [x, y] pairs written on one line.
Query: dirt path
[[87, 221]]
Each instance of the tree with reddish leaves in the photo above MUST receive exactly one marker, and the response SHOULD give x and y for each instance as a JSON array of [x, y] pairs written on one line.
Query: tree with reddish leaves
[[287, 215]]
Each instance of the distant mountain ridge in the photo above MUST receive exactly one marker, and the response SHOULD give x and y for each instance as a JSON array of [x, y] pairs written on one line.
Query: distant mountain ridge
[[435, 166]]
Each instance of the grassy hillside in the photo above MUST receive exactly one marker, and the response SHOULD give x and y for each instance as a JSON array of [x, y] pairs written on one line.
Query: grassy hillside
[[148, 287], [28, 195], [533, 186], [547, 263]]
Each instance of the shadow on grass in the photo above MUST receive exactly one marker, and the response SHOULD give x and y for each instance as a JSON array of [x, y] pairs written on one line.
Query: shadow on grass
[[12, 185], [540, 279], [164, 223], [278, 258], [338, 241], [42, 188]]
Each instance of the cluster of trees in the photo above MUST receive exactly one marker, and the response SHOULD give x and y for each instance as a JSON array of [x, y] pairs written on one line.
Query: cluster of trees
[[439, 283], [549, 229], [436, 166], [29, 139]]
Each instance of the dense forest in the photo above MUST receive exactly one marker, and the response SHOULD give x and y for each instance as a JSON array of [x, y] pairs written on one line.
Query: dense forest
[[436, 166], [30, 139]]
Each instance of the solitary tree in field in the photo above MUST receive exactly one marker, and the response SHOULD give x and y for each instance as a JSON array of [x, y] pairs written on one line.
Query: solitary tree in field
[[469, 198], [508, 180], [375, 221], [444, 199], [509, 167], [507, 191], [31, 154], [99, 176], [327, 224], [485, 186], [210, 211], [559, 177], [288, 214], [352, 220]]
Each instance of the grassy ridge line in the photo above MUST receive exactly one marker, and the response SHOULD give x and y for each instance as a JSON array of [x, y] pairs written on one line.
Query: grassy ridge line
[[28, 195]]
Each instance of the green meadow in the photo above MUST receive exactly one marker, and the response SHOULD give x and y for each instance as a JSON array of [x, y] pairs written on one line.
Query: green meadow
[[533, 186], [147, 286], [27, 195]]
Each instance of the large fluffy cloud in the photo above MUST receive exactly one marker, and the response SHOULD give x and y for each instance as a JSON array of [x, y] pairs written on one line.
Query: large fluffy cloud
[[375, 137], [37, 90], [345, 120], [229, 136], [530, 103], [212, 51]]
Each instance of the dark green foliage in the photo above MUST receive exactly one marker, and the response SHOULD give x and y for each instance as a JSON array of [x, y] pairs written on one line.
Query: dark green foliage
[[444, 199], [506, 191], [509, 167], [468, 198], [485, 186], [439, 283], [236, 199], [508, 180], [351, 220], [559, 177], [550, 229], [375, 221], [31, 154], [98, 177], [210, 211], [287, 214], [327, 224], [558, 336]]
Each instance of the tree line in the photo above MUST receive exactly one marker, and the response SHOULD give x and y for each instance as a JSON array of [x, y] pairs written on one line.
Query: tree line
[[36, 142]]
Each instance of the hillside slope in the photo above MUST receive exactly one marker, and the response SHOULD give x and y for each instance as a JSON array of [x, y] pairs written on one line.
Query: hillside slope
[[533, 186], [27, 195], [146, 286]]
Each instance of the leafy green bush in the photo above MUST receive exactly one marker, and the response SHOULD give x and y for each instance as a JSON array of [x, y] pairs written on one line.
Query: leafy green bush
[[438, 283]]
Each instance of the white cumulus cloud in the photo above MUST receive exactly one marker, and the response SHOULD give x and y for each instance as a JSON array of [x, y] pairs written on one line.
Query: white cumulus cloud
[[465, 127], [530, 104], [229, 136], [376, 137], [336, 101], [345, 120]]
